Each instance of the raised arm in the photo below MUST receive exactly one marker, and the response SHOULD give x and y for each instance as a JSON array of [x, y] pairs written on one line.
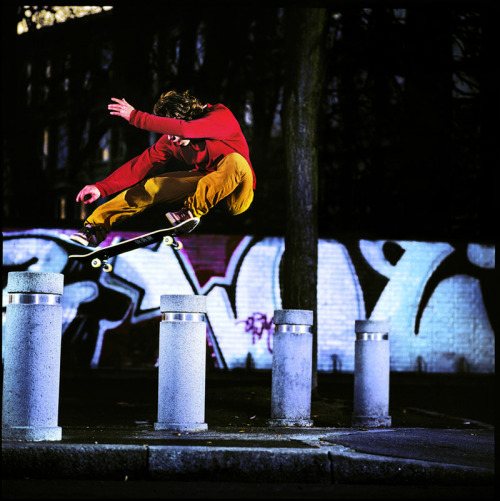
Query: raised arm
[[217, 123]]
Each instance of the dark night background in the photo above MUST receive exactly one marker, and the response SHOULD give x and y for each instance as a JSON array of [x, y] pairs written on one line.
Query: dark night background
[[408, 120]]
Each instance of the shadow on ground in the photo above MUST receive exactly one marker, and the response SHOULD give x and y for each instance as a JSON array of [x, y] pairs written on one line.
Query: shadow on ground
[[241, 399]]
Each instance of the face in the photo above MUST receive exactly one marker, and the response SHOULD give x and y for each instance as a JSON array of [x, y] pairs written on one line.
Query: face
[[178, 141]]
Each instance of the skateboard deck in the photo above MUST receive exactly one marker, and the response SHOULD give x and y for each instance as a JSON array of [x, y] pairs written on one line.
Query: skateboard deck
[[100, 256]]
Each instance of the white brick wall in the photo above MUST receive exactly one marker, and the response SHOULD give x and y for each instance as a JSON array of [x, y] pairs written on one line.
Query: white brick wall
[[243, 292]]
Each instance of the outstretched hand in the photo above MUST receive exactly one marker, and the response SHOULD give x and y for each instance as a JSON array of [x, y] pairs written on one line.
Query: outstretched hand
[[90, 190], [122, 108]]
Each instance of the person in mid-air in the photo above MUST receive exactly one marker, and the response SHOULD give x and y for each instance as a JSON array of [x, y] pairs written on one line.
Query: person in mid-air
[[206, 138]]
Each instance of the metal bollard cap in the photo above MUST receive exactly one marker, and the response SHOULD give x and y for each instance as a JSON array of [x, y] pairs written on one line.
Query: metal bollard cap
[[293, 317], [35, 282], [371, 326], [183, 303]]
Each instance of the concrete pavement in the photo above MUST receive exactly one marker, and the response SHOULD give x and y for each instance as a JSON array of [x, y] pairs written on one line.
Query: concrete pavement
[[108, 439], [314, 455]]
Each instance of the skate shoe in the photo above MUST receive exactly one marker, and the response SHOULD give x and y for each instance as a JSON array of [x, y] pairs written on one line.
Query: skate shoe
[[89, 235], [180, 216]]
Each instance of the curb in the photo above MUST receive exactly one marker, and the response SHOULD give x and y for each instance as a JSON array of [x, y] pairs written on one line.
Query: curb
[[325, 465], [360, 468]]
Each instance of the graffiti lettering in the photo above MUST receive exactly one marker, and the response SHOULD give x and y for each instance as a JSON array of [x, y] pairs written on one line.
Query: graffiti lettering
[[257, 324], [442, 292]]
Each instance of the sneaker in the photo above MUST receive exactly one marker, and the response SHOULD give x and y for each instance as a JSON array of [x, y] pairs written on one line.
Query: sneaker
[[180, 216], [89, 235]]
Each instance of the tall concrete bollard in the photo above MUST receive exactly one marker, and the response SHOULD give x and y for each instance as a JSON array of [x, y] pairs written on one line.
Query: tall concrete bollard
[[292, 368], [32, 358], [371, 374], [181, 363]]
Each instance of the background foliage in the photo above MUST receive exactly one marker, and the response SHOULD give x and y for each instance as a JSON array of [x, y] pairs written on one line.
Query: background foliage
[[407, 128]]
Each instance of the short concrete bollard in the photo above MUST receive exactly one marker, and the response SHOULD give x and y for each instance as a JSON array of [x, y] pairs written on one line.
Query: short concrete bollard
[[181, 363], [292, 368], [33, 329], [371, 374]]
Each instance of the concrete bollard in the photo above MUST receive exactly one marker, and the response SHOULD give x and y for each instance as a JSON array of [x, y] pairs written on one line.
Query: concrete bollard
[[371, 374], [292, 368], [181, 363], [33, 329]]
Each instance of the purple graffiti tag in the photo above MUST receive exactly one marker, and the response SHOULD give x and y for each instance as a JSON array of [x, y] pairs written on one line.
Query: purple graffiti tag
[[257, 324]]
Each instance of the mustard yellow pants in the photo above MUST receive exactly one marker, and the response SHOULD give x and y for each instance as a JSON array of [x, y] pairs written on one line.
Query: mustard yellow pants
[[232, 182]]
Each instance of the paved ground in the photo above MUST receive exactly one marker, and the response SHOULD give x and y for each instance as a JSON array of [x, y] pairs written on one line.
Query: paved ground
[[242, 398], [441, 444], [99, 489]]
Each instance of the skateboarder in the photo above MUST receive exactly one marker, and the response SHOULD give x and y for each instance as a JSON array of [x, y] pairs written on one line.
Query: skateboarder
[[206, 138]]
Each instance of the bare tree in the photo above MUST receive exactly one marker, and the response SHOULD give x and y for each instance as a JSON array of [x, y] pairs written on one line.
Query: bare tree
[[305, 32]]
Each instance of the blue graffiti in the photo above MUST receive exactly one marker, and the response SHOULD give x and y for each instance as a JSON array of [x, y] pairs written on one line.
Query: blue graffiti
[[112, 318]]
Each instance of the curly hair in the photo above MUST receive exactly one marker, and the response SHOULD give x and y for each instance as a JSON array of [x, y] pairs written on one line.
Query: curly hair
[[180, 105]]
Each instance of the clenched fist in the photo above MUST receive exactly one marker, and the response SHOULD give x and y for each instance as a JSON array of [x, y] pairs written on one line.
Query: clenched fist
[[90, 190]]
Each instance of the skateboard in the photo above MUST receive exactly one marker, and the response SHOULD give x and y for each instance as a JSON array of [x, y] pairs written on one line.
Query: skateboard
[[100, 256]]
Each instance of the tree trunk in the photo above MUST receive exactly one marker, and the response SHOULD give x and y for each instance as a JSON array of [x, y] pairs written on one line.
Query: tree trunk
[[305, 47]]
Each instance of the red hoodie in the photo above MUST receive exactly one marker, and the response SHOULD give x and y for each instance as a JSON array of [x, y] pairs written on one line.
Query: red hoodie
[[213, 136]]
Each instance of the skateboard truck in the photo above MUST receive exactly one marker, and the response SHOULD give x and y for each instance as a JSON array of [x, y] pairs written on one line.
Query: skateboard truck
[[108, 267]]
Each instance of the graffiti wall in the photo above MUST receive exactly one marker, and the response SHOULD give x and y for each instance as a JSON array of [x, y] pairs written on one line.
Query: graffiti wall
[[440, 299]]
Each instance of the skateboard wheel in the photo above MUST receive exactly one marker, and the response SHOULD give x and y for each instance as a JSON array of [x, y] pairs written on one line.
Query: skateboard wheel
[[107, 267], [168, 240], [96, 262], [178, 245]]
